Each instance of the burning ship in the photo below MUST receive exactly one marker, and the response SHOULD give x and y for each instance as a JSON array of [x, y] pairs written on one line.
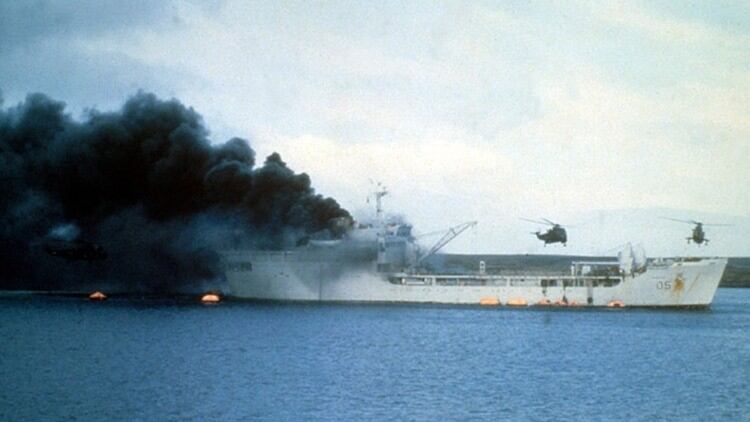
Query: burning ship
[[382, 263]]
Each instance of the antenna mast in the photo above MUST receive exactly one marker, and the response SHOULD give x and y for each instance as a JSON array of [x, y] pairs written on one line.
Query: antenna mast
[[380, 192]]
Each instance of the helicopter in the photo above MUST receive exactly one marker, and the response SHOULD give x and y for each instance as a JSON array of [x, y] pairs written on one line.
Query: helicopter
[[556, 234], [698, 236]]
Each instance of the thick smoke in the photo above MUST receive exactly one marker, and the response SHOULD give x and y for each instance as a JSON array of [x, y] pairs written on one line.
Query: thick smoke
[[147, 185]]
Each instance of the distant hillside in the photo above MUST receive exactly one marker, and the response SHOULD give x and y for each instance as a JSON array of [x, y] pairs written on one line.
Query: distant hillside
[[737, 273]]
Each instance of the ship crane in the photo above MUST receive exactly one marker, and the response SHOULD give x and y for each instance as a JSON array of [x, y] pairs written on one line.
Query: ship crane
[[451, 234]]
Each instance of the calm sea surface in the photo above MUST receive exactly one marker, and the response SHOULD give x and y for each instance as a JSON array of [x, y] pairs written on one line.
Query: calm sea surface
[[66, 358]]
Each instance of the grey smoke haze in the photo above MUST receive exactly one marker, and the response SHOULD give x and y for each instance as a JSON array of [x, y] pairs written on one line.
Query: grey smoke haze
[[146, 183], [22, 22], [42, 48]]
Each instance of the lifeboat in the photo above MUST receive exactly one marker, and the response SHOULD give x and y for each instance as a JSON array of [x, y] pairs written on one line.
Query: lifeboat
[[97, 296], [544, 302], [489, 301], [615, 304], [210, 298], [517, 302]]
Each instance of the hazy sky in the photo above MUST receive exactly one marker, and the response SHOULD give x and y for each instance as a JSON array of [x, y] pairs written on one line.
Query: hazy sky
[[603, 115]]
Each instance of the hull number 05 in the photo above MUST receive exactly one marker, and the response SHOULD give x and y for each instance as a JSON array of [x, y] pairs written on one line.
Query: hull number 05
[[664, 285]]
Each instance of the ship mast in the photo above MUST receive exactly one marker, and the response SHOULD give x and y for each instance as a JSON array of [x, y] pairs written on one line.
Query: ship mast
[[380, 192]]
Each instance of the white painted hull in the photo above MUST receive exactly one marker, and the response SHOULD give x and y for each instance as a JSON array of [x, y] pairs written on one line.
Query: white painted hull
[[287, 276]]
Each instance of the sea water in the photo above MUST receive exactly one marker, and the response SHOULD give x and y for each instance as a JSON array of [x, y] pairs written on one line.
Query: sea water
[[126, 359]]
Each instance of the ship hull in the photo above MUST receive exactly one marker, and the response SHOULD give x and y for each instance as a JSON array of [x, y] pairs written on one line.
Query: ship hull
[[292, 277]]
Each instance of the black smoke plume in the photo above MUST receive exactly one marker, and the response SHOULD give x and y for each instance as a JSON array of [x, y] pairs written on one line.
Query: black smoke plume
[[146, 184]]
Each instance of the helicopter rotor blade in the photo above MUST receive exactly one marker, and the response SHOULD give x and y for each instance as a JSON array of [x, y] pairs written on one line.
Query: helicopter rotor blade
[[534, 221], [680, 221], [697, 222], [552, 223]]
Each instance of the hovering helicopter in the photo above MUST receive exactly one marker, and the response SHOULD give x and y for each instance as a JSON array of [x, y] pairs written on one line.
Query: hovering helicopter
[[75, 250], [556, 234], [698, 236]]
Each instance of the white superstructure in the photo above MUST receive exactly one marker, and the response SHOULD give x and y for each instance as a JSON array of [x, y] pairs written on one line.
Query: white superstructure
[[302, 277], [382, 264]]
